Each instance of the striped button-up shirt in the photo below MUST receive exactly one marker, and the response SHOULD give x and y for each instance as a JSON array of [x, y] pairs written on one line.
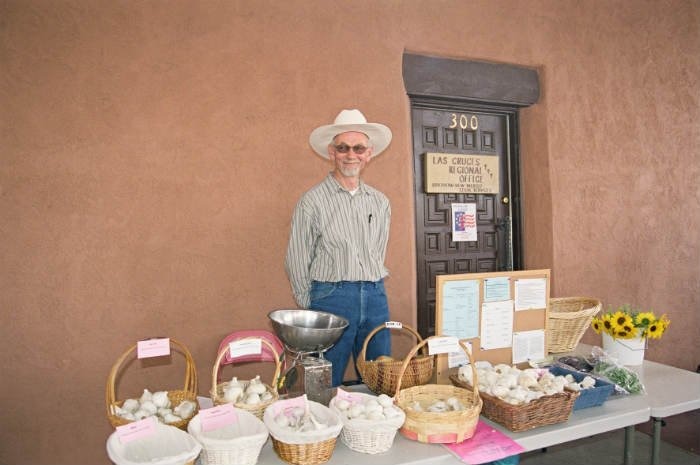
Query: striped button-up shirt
[[337, 236]]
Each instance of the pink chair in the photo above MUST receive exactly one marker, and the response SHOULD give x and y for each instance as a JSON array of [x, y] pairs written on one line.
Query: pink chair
[[265, 356]]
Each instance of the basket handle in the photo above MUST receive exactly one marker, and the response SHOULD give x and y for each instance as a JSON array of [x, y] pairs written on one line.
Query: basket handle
[[361, 357], [190, 373], [412, 353], [222, 353]]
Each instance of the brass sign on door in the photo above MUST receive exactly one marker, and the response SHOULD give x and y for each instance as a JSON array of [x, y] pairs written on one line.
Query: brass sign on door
[[466, 174]]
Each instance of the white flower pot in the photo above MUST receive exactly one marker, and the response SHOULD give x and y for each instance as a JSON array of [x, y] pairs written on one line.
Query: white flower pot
[[626, 351]]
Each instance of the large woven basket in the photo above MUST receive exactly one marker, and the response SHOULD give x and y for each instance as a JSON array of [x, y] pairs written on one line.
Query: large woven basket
[[239, 443], [433, 427], [381, 376], [188, 392], [568, 320], [217, 392], [547, 410]]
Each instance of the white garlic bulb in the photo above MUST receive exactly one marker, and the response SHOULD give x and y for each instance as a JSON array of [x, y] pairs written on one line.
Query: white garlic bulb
[[185, 409], [233, 393], [252, 399], [161, 399], [256, 386], [384, 400], [171, 418], [342, 404], [145, 396], [130, 405]]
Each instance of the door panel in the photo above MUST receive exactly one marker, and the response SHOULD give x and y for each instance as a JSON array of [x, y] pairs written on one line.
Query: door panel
[[459, 130]]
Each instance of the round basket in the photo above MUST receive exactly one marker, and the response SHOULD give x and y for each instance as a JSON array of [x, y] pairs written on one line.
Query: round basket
[[309, 448], [188, 392], [443, 427], [381, 376], [217, 393], [367, 436], [567, 321], [239, 443], [167, 446]]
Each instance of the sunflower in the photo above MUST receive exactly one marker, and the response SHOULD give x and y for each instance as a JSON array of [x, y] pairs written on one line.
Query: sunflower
[[644, 318], [597, 325], [621, 323], [656, 328]]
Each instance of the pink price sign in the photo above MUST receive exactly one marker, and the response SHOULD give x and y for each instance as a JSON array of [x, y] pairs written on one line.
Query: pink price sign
[[217, 417], [289, 404], [136, 430], [153, 348]]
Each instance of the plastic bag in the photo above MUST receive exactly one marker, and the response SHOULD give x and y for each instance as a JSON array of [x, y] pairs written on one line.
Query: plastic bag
[[626, 381]]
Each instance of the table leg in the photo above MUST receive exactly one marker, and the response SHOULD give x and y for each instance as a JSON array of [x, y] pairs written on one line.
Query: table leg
[[629, 445], [656, 440]]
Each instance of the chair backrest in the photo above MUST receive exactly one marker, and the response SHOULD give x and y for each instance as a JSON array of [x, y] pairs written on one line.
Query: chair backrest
[[265, 356]]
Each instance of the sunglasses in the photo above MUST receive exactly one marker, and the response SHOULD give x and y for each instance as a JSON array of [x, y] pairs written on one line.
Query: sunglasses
[[345, 148]]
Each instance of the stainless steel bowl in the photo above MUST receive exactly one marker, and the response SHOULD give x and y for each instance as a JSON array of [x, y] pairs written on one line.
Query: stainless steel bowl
[[307, 330]]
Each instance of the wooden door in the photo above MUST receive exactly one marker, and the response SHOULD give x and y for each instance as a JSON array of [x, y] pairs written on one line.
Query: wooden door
[[475, 130]]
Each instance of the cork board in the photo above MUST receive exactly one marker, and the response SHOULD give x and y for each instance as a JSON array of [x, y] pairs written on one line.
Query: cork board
[[490, 310]]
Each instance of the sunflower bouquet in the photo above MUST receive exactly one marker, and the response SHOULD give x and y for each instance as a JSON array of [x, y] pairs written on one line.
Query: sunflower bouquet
[[628, 323]]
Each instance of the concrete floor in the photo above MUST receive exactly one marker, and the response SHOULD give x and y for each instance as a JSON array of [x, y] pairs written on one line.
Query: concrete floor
[[680, 441]]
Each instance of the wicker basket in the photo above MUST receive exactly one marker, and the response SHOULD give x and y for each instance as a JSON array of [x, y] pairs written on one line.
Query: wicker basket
[[569, 318], [167, 446], [188, 392], [547, 410], [367, 436], [381, 376], [310, 448], [433, 427], [217, 393], [239, 443]]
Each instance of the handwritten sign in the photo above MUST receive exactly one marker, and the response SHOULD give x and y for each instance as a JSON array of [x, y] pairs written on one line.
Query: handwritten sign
[[136, 430], [153, 348], [217, 417], [245, 347], [443, 345], [456, 173], [289, 404]]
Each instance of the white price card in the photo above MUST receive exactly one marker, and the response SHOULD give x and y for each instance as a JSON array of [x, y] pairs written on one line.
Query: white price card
[[443, 345], [155, 347], [393, 325], [245, 347]]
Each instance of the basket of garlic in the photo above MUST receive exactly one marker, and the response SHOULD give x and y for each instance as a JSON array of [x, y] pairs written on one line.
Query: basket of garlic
[[381, 375], [519, 399], [173, 407], [438, 413], [303, 432], [252, 395], [239, 442], [370, 422]]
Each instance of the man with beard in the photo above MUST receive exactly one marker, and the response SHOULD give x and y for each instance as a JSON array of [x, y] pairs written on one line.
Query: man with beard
[[338, 240]]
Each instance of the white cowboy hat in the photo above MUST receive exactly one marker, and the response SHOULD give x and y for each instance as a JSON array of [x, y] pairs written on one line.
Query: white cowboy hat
[[350, 120]]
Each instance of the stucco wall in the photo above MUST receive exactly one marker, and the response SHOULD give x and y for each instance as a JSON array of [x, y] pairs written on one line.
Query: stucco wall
[[152, 153]]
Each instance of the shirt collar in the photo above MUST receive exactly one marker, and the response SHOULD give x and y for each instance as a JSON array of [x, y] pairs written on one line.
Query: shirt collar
[[335, 186]]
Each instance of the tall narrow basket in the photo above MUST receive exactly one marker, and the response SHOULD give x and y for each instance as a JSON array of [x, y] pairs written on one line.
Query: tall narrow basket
[[188, 392], [434, 427], [567, 321], [381, 376], [217, 392]]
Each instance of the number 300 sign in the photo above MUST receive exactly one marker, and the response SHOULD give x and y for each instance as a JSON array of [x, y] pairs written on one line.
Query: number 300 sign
[[464, 121]]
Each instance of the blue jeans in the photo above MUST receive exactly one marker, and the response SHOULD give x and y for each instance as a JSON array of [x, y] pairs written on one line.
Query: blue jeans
[[364, 305]]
